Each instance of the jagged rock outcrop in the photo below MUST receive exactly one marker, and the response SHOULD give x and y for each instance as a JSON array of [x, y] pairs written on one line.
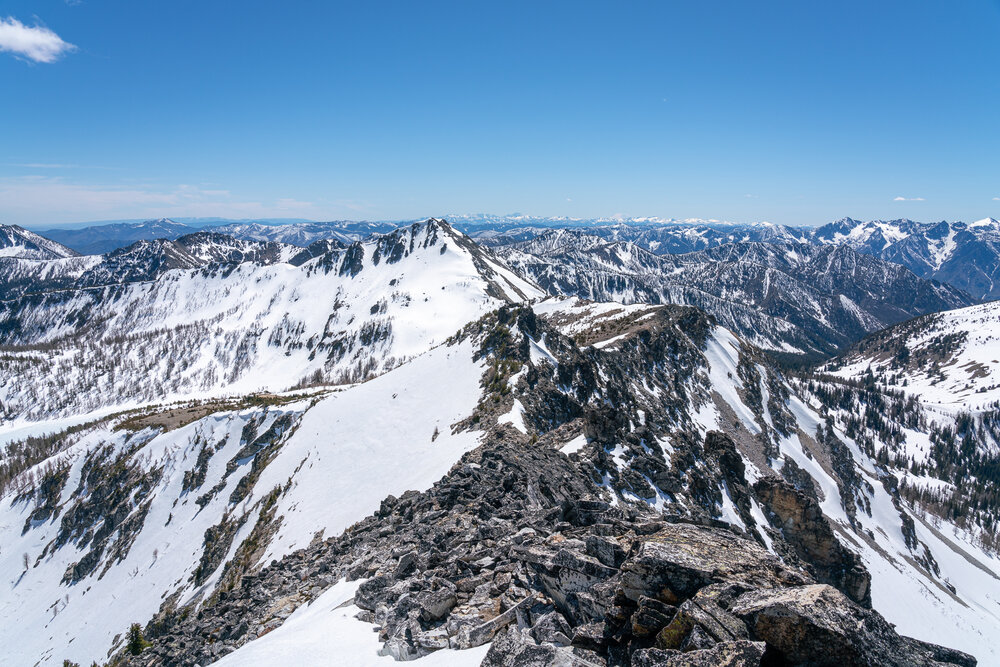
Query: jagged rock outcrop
[[741, 653], [800, 520]]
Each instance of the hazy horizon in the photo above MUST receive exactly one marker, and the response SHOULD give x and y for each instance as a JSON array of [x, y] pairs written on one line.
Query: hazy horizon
[[208, 221]]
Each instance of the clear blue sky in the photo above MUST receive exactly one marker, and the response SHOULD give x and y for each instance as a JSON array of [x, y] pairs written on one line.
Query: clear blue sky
[[795, 112]]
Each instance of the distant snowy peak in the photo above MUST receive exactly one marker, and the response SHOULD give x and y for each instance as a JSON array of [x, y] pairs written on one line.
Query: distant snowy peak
[[304, 234], [500, 282], [991, 223], [964, 255], [475, 220], [20, 243], [662, 237]]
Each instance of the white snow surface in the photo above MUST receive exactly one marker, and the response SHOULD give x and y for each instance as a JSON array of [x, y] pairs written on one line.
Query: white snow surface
[[327, 633]]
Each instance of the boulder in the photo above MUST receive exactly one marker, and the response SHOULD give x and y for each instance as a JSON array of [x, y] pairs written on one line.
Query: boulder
[[651, 616], [674, 563], [817, 625], [514, 649], [713, 624], [730, 654]]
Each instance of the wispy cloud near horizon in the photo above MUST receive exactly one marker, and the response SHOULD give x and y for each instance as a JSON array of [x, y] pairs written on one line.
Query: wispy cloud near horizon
[[35, 200], [909, 199], [36, 43]]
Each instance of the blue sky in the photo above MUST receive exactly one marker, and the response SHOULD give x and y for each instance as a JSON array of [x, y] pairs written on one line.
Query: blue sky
[[793, 112]]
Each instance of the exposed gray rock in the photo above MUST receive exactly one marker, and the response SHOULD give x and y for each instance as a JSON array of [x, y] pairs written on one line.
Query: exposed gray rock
[[514, 649], [651, 616], [730, 654], [801, 522], [676, 562], [818, 625]]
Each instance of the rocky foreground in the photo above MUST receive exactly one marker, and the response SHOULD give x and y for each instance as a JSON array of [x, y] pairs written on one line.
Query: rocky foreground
[[512, 547]]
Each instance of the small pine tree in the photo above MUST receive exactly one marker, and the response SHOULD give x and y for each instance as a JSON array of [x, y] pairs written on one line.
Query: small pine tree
[[136, 642]]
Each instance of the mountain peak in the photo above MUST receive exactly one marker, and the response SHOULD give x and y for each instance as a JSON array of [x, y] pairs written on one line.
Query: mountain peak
[[18, 242]]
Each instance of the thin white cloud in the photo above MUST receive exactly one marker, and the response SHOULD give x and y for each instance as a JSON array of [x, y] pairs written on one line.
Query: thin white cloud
[[909, 199], [41, 199], [41, 165], [36, 43], [996, 199]]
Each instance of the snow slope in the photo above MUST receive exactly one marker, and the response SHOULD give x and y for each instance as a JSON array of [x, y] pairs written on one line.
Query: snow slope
[[342, 457], [19, 242], [326, 632], [952, 359]]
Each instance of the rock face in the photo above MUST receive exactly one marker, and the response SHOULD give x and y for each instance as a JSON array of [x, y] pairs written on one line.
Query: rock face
[[512, 547], [802, 524]]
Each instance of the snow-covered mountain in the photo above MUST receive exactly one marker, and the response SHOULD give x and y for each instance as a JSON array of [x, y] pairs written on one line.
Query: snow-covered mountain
[[798, 299], [951, 360], [656, 236], [249, 453], [964, 255], [147, 260], [239, 327], [29, 262], [577, 449], [944, 371], [19, 243], [306, 233]]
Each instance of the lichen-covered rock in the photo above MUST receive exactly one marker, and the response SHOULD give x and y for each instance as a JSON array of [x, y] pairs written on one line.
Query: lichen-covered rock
[[676, 562], [817, 625], [741, 653], [651, 616], [704, 615], [514, 648]]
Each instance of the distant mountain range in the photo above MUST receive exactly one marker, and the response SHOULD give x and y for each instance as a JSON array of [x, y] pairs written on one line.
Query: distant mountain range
[[779, 291], [793, 298], [965, 255]]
